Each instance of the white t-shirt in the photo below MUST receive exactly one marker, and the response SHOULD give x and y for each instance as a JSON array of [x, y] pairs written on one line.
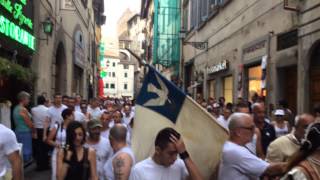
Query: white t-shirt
[[8, 145], [79, 116], [108, 167], [126, 119], [238, 163], [148, 169], [77, 108], [54, 114], [105, 133], [103, 153], [95, 113], [223, 122], [39, 115]]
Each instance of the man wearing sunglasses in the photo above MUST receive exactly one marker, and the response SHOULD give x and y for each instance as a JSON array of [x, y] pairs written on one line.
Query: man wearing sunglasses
[[284, 147], [237, 161]]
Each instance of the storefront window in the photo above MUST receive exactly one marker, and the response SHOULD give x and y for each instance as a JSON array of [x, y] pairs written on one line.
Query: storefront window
[[211, 88], [255, 74], [227, 89]]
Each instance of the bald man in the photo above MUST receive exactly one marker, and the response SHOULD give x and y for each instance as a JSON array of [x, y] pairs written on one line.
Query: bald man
[[268, 133], [119, 165], [285, 146], [237, 161]]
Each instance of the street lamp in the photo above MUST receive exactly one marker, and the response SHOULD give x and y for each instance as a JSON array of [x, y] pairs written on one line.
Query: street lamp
[[198, 45], [47, 26]]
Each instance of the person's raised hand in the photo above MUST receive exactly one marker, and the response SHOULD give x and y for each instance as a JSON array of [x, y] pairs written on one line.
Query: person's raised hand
[[178, 143]]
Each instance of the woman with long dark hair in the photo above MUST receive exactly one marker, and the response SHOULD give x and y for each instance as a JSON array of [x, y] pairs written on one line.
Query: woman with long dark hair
[[57, 138], [76, 161]]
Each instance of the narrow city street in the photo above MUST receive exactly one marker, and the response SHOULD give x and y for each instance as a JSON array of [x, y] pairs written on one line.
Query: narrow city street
[[150, 89], [30, 173]]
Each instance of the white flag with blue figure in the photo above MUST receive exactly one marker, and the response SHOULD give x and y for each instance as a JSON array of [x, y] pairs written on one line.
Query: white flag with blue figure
[[161, 104]]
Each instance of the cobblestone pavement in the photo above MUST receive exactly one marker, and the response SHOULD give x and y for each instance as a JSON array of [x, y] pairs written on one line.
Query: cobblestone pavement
[[30, 173]]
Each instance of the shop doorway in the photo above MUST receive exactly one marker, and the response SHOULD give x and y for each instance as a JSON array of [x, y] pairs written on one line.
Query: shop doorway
[[315, 77], [60, 70], [77, 83], [254, 82], [287, 86]]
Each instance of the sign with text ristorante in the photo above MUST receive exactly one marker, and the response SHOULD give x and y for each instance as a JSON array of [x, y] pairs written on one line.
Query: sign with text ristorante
[[16, 22]]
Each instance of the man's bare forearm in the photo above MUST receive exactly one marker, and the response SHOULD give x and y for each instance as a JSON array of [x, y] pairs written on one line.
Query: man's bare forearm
[[193, 170], [16, 164]]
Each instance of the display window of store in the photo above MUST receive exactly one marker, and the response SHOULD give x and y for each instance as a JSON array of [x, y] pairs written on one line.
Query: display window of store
[[228, 89], [254, 81], [211, 90]]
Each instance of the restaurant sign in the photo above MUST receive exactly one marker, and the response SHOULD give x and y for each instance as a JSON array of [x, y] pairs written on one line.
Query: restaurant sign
[[14, 23]]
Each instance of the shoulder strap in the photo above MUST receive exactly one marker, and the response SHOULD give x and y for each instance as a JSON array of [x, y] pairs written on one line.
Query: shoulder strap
[[58, 127], [86, 164], [310, 171]]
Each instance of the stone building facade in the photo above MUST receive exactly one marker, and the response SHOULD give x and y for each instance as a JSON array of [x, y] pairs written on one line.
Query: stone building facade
[[253, 46], [66, 60]]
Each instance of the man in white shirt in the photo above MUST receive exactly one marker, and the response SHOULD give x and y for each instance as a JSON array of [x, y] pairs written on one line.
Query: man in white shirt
[[54, 112], [100, 144], [281, 149], [39, 116], [237, 161], [164, 163], [10, 160], [78, 115], [223, 120], [119, 165], [77, 103], [94, 109], [128, 114], [118, 119]]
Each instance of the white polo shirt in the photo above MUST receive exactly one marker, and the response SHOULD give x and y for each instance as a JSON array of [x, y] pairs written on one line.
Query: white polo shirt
[[148, 169], [39, 115], [239, 163]]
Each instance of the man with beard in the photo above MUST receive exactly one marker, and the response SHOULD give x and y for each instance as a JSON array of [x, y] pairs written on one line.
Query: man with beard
[[78, 116], [100, 144]]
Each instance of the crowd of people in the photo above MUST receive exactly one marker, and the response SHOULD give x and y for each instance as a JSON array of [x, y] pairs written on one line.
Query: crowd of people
[[79, 139]]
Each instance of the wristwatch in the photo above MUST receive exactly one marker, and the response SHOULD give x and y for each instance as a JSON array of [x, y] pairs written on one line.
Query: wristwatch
[[184, 155]]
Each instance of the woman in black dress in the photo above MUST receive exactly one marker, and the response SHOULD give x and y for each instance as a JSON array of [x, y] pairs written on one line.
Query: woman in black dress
[[75, 162]]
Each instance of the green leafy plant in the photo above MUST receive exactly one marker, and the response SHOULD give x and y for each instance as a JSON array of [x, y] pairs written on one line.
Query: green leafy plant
[[11, 69]]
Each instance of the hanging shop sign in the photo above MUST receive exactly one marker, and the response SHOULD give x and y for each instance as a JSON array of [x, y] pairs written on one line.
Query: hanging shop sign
[[254, 50], [222, 66], [15, 23], [79, 48]]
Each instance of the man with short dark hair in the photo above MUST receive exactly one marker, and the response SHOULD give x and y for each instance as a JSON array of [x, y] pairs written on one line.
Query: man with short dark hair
[[128, 114], [78, 116], [65, 100], [78, 103], [54, 112], [41, 149], [119, 165], [164, 163], [94, 109]]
